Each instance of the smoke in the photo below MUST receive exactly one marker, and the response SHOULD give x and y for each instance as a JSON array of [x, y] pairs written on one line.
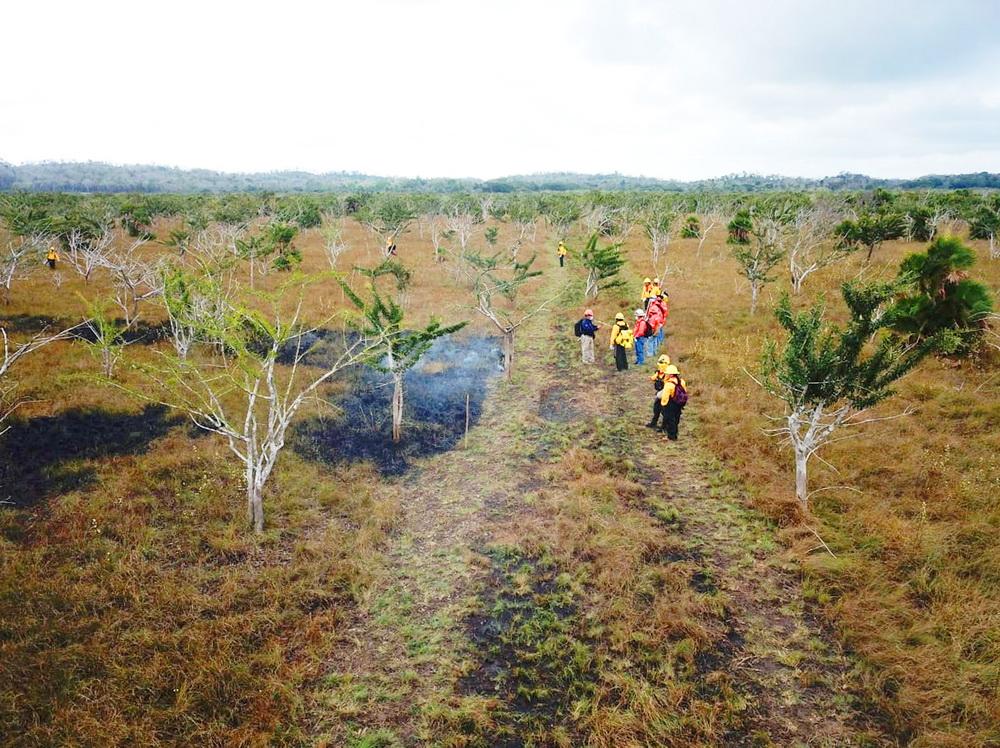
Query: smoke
[[434, 405]]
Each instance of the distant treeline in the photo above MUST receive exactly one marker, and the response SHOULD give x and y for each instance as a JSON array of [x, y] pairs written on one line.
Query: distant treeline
[[100, 177]]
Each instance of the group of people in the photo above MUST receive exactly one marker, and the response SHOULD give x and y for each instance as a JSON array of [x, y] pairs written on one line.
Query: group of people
[[645, 336]]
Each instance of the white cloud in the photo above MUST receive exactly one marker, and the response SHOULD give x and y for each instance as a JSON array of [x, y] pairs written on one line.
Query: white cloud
[[449, 88]]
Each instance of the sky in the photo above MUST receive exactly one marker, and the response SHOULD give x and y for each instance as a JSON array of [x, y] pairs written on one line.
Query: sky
[[430, 88]]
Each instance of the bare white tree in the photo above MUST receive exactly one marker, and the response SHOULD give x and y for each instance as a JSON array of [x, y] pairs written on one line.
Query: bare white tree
[[136, 279], [13, 354], [462, 224], [20, 258], [659, 223], [811, 243], [710, 219], [251, 395], [333, 241], [87, 253]]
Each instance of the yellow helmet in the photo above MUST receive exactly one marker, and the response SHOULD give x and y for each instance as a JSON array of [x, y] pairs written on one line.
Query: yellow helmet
[[620, 316], [673, 369], [664, 359], [646, 280]]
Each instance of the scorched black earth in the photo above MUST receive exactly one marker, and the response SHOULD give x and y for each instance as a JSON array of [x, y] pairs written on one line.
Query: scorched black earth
[[434, 407]]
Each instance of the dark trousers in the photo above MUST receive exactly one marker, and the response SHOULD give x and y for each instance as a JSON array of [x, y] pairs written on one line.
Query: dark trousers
[[621, 358], [671, 419], [657, 411], [51, 264], [561, 259]]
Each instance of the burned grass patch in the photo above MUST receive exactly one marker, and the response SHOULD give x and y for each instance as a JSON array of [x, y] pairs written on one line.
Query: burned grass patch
[[448, 386], [534, 660]]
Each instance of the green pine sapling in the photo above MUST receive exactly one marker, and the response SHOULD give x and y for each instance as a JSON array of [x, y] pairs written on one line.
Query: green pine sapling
[[828, 376], [400, 348]]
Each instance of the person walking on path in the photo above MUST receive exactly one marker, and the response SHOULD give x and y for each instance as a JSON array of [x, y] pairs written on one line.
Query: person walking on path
[[52, 258], [673, 398], [621, 341], [658, 379], [562, 254], [656, 315], [640, 332], [585, 329]]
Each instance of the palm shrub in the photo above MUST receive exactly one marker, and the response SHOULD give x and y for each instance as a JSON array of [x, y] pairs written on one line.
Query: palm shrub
[[940, 296]]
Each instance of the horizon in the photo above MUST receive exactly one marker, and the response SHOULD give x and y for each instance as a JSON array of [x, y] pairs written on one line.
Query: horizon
[[438, 88], [417, 177]]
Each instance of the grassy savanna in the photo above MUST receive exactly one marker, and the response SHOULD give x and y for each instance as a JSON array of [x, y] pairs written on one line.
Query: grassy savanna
[[564, 578]]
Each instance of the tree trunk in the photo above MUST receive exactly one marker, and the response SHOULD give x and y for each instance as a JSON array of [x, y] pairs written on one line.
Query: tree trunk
[[397, 406], [754, 293], [508, 353], [801, 476], [255, 499]]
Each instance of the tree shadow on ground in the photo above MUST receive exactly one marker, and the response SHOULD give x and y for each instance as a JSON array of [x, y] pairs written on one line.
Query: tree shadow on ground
[[49, 455]]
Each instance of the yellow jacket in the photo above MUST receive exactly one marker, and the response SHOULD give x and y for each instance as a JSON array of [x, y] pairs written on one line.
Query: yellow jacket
[[616, 329], [656, 291], [562, 249], [647, 291], [669, 385]]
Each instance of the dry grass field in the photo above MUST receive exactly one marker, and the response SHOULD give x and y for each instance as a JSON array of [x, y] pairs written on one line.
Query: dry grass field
[[558, 580]]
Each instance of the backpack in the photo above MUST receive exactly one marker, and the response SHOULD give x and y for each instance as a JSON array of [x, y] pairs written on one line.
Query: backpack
[[680, 395], [625, 338], [578, 328]]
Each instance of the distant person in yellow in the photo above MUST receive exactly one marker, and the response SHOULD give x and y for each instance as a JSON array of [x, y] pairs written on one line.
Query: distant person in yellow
[[52, 258], [390, 247], [562, 254], [656, 287]]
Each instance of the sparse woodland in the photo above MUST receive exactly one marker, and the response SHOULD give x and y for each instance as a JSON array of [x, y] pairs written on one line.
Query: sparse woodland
[[264, 483]]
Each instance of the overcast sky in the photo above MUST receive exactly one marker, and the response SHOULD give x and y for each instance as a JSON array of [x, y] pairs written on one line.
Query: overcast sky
[[464, 88]]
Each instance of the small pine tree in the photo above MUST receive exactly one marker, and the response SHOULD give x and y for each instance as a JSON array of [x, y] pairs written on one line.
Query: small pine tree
[[941, 296], [828, 376], [603, 265], [400, 348]]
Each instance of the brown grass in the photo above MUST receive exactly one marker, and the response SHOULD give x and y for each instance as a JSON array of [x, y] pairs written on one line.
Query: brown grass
[[912, 511]]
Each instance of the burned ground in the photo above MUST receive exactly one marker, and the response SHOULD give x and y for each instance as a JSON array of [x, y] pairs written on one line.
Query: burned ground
[[454, 369]]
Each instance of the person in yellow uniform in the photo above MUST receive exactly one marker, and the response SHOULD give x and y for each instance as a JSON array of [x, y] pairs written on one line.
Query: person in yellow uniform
[[673, 398], [658, 378], [562, 254], [647, 292], [52, 257], [621, 341]]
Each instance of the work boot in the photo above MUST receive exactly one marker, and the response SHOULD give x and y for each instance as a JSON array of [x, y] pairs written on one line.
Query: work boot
[[651, 425]]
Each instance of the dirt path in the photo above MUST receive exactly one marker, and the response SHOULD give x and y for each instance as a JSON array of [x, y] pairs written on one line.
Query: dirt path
[[491, 624]]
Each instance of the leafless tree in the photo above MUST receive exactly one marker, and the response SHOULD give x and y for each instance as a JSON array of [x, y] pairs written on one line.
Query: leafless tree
[[136, 279], [333, 242], [13, 354], [251, 395], [659, 224], [710, 219], [20, 258], [439, 234], [811, 243], [87, 253], [462, 224]]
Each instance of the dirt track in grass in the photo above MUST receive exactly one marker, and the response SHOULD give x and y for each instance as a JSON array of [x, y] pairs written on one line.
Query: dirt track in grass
[[492, 623]]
